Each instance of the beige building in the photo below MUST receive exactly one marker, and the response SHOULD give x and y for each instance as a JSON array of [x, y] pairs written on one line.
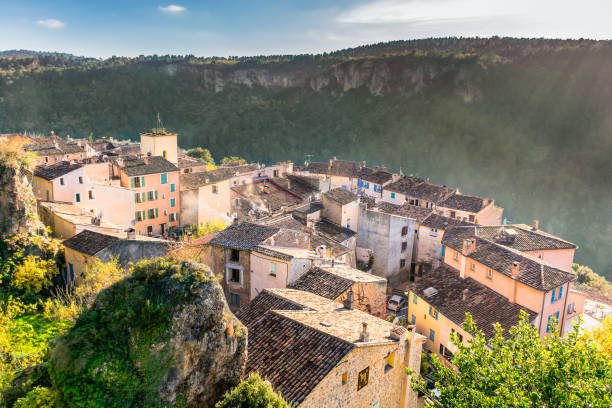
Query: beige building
[[341, 207], [317, 353], [67, 220], [473, 209], [336, 173]]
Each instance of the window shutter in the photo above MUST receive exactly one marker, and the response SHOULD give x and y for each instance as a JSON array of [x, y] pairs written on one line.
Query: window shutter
[[142, 181], [143, 196], [133, 181], [135, 197], [156, 194], [560, 293], [156, 213]]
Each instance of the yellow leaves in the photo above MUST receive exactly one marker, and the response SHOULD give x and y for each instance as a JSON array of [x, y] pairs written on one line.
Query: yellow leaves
[[99, 276], [209, 227], [602, 335], [34, 274]]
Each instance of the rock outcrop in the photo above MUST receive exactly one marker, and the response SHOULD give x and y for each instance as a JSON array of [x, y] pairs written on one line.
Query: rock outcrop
[[164, 336], [18, 213]]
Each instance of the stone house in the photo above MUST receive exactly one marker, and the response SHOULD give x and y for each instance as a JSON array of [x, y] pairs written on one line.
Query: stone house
[[387, 233], [82, 250], [473, 209], [369, 292], [341, 207], [519, 276], [415, 191], [322, 354], [154, 185], [67, 220], [336, 173], [438, 302], [188, 164], [53, 149]]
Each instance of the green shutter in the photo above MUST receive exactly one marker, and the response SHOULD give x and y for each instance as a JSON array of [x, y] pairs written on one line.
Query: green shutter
[[143, 197], [156, 194], [156, 213], [173, 202], [142, 181], [164, 178], [172, 188], [135, 197], [133, 181]]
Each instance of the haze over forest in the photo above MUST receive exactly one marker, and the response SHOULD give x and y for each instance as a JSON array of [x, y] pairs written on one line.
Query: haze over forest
[[525, 121]]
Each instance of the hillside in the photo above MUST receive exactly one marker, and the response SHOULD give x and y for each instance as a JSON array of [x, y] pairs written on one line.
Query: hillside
[[526, 121]]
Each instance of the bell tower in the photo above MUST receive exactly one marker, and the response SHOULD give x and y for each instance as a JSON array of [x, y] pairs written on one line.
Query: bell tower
[[160, 142]]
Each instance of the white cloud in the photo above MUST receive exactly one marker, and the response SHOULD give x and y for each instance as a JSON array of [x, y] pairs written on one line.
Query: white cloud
[[51, 23], [172, 9]]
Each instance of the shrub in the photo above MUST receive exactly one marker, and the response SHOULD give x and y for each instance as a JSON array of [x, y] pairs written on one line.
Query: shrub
[[254, 392], [34, 274], [38, 397]]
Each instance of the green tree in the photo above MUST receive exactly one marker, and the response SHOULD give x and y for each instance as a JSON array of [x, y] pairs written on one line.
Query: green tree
[[232, 160], [254, 392], [521, 370], [202, 155], [590, 280]]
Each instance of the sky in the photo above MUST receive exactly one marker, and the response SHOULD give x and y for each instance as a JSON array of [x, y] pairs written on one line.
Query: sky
[[248, 27]]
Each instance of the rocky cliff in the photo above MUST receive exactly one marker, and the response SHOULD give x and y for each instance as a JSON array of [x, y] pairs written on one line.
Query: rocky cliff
[[163, 337]]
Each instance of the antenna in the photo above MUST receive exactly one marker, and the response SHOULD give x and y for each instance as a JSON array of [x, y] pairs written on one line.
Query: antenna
[[160, 125]]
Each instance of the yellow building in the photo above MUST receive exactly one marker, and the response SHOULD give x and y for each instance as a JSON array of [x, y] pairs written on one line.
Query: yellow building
[[318, 354], [438, 302], [159, 142]]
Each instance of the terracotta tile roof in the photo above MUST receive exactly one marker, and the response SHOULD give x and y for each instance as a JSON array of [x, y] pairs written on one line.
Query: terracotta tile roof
[[341, 168], [53, 145], [464, 203], [266, 194], [317, 168], [486, 306], [266, 250], [404, 184], [333, 231], [244, 235], [341, 195], [441, 222], [186, 161], [419, 188], [323, 283], [292, 356], [56, 170], [377, 176], [299, 185], [405, 210], [101, 145], [265, 301], [141, 166], [90, 242], [194, 180], [532, 271]]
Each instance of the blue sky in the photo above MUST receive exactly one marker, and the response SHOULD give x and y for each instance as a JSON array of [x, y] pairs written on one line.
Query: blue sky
[[232, 27]]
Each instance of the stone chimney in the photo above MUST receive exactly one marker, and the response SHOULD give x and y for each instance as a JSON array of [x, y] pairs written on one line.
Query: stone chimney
[[131, 233], [515, 269], [465, 294], [536, 225], [364, 336], [398, 333], [469, 245], [349, 302]]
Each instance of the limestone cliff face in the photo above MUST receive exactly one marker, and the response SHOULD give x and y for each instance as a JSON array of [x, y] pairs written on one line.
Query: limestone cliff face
[[162, 337], [18, 213], [378, 75]]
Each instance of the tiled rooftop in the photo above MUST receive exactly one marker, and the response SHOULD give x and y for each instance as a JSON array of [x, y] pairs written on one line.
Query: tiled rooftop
[[532, 271], [90, 242], [464, 203], [405, 210], [331, 282], [341, 195], [141, 166], [244, 235], [194, 180], [486, 306], [378, 176], [421, 189], [56, 170], [441, 222]]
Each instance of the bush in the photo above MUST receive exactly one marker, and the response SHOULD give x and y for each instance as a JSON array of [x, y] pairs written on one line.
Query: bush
[[38, 397], [34, 274], [253, 393]]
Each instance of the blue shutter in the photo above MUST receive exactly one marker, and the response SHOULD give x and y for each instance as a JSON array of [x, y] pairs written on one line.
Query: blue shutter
[[374, 187], [432, 334], [442, 251], [164, 178], [172, 188], [413, 319], [552, 298], [414, 299], [560, 293], [71, 273], [392, 195]]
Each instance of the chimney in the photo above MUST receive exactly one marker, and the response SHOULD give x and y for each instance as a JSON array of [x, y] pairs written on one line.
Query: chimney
[[465, 294], [131, 233], [349, 302], [536, 225], [469, 245], [364, 336], [515, 269]]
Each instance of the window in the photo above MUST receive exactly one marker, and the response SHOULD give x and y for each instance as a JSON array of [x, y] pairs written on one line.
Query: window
[[234, 255], [215, 190], [560, 293], [413, 320], [433, 312], [275, 173], [172, 188], [404, 246], [375, 187], [411, 202], [362, 378], [571, 308], [149, 229], [273, 268], [173, 202], [138, 181], [460, 336], [344, 378], [473, 266], [140, 216], [62, 181], [80, 179], [390, 361], [236, 203], [46, 159], [471, 218], [404, 231], [173, 217], [234, 299], [359, 183], [456, 256], [417, 202], [434, 232], [164, 177], [402, 263], [490, 274], [77, 197], [90, 194], [234, 275], [414, 299], [152, 213], [152, 195], [452, 214], [392, 195], [367, 185], [552, 298], [432, 335]]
